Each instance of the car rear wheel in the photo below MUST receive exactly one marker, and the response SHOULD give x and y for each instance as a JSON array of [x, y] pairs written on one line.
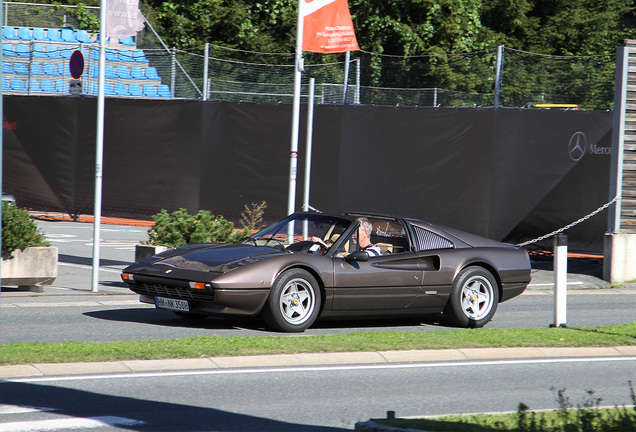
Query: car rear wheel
[[473, 299], [294, 302]]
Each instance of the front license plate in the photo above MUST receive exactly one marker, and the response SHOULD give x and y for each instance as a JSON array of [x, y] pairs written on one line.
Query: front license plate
[[172, 304]]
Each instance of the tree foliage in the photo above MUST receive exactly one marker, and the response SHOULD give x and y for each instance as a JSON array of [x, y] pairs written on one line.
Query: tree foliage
[[408, 28]]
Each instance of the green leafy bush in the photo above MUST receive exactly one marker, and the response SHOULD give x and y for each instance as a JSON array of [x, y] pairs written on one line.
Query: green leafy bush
[[19, 231], [180, 228]]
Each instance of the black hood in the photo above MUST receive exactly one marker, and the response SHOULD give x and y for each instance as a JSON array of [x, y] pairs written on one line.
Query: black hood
[[214, 258]]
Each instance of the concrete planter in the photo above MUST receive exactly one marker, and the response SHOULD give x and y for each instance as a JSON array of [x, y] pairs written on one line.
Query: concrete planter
[[30, 269], [146, 251]]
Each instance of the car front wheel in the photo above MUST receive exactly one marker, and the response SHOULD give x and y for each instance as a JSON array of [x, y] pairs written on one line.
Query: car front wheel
[[473, 299], [294, 302]]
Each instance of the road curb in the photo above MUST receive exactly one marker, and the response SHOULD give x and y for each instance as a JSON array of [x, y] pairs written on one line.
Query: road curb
[[8, 372]]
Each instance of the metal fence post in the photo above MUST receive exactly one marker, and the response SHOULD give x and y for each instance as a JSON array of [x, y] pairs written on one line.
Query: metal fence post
[[346, 77], [173, 79], [357, 100], [560, 279], [206, 61], [498, 74]]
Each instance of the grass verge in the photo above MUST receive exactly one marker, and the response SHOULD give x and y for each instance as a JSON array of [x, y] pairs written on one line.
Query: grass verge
[[211, 346], [585, 417]]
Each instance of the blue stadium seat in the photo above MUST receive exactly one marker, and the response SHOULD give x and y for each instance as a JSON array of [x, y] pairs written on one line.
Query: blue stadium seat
[[17, 84], [151, 74], [95, 71], [50, 68], [120, 89], [52, 52], [164, 91], [61, 86], [128, 41], [39, 51], [137, 73], [84, 37], [64, 69], [97, 40], [36, 68], [21, 68], [40, 35], [109, 72], [47, 86], [67, 52], [125, 55], [92, 88], [68, 35], [150, 90], [111, 55], [22, 50], [122, 72], [108, 89], [8, 50], [139, 56], [24, 33], [7, 68], [35, 86], [5, 84], [135, 90], [54, 35], [9, 33]]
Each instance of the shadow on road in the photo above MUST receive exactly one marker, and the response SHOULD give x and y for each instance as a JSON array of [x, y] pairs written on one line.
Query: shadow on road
[[156, 416]]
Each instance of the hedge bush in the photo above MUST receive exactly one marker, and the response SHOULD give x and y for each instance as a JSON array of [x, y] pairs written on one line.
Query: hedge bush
[[19, 231]]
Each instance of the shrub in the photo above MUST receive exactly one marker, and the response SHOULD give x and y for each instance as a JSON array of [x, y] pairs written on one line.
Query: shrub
[[180, 228], [19, 231]]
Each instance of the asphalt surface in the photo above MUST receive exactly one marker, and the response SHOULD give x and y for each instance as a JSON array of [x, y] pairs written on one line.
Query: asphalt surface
[[74, 241]]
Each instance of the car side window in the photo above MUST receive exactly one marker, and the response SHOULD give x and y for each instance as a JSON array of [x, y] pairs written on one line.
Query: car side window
[[428, 240]]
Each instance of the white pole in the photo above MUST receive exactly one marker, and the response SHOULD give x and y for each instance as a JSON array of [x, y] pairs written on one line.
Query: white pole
[[310, 132], [293, 165], [346, 77], [99, 153], [206, 62], [560, 279]]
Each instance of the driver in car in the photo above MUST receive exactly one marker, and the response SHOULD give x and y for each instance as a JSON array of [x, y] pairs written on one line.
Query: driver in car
[[364, 238]]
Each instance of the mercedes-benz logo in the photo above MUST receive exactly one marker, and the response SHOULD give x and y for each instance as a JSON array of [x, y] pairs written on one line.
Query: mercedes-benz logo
[[577, 146]]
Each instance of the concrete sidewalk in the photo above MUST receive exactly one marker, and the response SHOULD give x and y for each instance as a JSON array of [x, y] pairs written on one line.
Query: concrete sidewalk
[[305, 359]]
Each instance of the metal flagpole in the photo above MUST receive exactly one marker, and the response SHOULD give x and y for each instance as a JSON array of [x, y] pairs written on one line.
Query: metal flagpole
[[308, 146], [293, 165], [99, 153], [1, 134]]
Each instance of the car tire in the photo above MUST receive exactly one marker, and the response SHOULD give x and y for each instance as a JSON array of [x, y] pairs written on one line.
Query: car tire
[[190, 315], [293, 303], [473, 299]]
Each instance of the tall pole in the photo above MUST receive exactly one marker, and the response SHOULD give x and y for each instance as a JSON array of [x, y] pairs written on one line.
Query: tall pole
[[206, 62], [1, 143], [99, 152], [293, 164], [346, 77], [498, 74], [308, 149]]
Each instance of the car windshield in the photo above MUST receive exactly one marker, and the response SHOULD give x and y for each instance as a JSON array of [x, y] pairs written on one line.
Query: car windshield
[[303, 232]]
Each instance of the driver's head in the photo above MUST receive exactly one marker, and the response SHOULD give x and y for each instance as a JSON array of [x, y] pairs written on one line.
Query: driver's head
[[365, 228]]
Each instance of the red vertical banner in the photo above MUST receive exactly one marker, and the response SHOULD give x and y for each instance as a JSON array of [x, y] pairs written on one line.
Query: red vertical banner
[[327, 27]]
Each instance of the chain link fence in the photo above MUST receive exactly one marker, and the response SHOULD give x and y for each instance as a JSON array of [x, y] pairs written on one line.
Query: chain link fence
[[440, 80]]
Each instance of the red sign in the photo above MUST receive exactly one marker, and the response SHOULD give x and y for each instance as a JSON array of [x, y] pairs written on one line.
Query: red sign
[[77, 64], [327, 27]]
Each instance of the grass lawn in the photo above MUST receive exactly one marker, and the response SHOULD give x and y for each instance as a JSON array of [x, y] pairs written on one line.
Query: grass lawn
[[211, 346]]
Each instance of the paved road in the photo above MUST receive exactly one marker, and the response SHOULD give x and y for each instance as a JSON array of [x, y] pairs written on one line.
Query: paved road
[[311, 398]]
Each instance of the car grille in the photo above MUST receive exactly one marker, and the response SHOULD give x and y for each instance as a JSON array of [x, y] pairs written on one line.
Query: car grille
[[161, 290]]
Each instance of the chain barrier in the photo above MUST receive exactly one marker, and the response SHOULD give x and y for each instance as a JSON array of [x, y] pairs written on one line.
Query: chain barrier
[[583, 219]]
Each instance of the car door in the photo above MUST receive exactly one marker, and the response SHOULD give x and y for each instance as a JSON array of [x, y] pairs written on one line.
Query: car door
[[382, 283]]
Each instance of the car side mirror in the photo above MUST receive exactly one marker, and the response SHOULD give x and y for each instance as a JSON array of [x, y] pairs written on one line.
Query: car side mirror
[[357, 256]]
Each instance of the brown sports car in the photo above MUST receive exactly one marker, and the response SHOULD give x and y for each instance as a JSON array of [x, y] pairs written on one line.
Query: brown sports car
[[312, 265]]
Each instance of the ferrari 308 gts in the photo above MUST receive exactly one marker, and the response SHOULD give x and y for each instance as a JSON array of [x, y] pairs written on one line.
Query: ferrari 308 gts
[[312, 265]]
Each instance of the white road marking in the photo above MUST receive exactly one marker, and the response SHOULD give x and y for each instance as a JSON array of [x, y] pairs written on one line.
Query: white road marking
[[15, 409], [83, 266], [71, 423], [552, 284], [327, 368]]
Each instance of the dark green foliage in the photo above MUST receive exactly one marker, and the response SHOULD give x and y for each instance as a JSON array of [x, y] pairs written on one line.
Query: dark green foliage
[[181, 228], [19, 231]]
